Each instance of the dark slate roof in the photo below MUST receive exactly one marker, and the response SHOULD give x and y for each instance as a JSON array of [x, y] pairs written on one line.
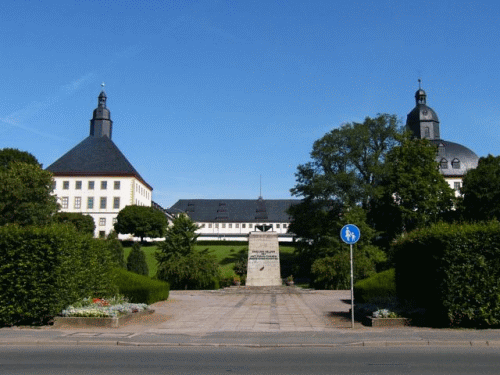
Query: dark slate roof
[[235, 210], [94, 156], [451, 151]]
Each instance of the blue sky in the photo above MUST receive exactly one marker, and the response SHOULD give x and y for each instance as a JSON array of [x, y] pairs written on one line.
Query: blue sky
[[206, 96]]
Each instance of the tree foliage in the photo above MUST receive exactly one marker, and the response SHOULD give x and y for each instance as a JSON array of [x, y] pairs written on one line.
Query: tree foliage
[[11, 155], [413, 191], [141, 221], [25, 195], [136, 261], [347, 163], [180, 264], [83, 223], [116, 249], [481, 192]]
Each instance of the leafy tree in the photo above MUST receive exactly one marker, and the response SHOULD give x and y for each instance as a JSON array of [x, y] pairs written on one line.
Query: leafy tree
[[83, 223], [116, 249], [25, 195], [180, 264], [10, 155], [348, 162], [136, 261], [141, 221], [481, 192], [413, 192]]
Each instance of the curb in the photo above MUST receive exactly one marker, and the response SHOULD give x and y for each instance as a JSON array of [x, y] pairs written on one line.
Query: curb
[[166, 344]]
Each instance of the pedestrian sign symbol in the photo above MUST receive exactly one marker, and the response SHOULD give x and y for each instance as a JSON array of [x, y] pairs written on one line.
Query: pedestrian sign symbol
[[350, 234]]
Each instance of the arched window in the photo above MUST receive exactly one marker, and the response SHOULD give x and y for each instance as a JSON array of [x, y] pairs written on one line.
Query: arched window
[[455, 164], [443, 163], [427, 132]]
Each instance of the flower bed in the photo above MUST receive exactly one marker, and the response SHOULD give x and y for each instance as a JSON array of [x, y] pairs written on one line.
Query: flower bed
[[386, 318], [96, 312]]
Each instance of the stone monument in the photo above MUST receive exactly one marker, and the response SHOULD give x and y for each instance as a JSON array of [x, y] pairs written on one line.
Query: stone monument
[[263, 259]]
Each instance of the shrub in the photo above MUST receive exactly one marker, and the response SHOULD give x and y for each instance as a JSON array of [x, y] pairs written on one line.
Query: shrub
[[116, 248], [452, 271], [198, 270], [136, 261], [45, 269], [379, 287], [141, 289]]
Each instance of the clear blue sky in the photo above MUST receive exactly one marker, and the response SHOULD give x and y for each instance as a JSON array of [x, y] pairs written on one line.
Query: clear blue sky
[[206, 96]]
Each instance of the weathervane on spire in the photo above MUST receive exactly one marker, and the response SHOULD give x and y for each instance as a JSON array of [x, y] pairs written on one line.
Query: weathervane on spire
[[102, 85], [419, 82]]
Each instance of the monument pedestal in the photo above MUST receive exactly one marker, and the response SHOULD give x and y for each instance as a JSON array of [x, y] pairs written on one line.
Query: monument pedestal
[[263, 259]]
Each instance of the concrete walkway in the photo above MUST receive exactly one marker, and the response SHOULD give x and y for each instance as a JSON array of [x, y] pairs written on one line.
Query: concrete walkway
[[254, 317]]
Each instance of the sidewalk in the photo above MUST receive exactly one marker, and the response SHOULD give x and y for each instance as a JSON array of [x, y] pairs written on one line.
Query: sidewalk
[[253, 317]]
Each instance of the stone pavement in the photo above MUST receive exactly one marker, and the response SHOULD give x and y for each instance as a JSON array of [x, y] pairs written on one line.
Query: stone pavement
[[249, 316]]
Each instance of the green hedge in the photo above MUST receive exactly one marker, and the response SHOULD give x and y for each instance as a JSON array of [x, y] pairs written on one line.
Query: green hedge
[[45, 269], [141, 289], [453, 271], [379, 287]]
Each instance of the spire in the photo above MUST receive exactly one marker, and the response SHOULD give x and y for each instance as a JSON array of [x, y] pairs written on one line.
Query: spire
[[420, 96], [101, 124]]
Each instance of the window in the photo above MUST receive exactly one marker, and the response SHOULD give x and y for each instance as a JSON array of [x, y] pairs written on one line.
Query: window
[[91, 185], [103, 203], [236, 225], [104, 185], [102, 221], [53, 185], [230, 225], [114, 220], [427, 133], [64, 202], [202, 226], [444, 163], [117, 185], [216, 225], [284, 225], [456, 186], [223, 225], [441, 149], [243, 225], [116, 202], [65, 185], [78, 185], [90, 203], [455, 164], [210, 225], [78, 203], [250, 225], [277, 225]]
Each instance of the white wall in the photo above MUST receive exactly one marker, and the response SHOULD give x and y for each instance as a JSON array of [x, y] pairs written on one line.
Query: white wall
[[129, 191]]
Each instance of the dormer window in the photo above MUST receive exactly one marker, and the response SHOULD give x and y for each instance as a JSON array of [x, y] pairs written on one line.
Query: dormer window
[[443, 163], [455, 164]]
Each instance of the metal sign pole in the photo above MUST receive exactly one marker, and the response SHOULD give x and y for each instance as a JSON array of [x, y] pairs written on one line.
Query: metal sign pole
[[352, 293]]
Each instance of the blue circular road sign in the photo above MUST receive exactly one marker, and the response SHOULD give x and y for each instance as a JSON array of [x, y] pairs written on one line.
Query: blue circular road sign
[[350, 234]]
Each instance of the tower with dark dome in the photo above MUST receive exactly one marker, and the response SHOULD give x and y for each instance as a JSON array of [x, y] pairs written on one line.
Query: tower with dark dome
[[453, 158]]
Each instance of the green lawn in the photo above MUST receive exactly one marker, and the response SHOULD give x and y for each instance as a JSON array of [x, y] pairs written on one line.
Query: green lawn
[[227, 254]]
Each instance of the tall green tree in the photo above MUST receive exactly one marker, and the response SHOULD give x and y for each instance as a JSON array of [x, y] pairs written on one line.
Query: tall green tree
[[141, 221], [180, 263], [10, 155], [116, 249], [413, 192], [347, 163], [25, 195], [136, 261], [481, 190]]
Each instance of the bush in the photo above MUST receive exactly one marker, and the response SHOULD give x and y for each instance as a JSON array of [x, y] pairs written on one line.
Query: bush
[[379, 287], [116, 248], [141, 289], [452, 271], [136, 261], [45, 269], [198, 270]]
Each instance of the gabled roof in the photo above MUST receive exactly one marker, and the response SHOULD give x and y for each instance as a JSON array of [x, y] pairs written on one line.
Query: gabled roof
[[235, 210], [95, 156]]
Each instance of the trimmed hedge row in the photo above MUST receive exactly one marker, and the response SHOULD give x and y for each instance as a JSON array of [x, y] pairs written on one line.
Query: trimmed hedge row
[[379, 287], [45, 269], [453, 271], [141, 289]]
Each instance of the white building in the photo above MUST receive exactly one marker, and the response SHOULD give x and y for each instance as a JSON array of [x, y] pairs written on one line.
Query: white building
[[234, 219], [94, 178]]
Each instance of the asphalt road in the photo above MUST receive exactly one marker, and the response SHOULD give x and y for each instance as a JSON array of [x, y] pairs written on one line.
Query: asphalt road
[[342, 360]]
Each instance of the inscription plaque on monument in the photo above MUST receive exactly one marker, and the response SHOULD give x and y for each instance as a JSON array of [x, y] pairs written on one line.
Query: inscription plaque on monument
[[263, 259]]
